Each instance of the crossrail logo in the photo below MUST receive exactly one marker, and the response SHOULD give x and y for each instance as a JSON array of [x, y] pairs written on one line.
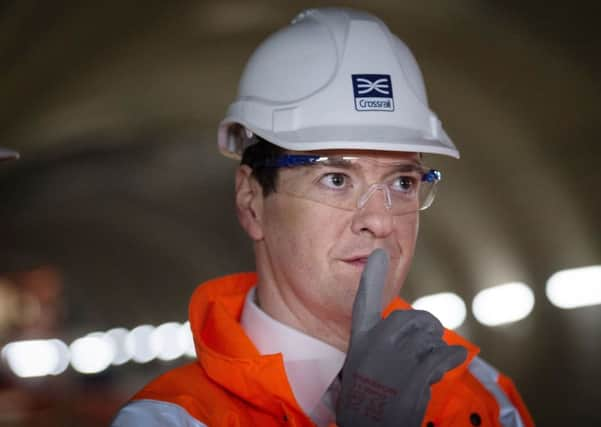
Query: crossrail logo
[[373, 92]]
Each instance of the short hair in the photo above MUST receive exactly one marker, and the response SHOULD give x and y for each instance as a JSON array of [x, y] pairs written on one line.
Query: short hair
[[256, 156]]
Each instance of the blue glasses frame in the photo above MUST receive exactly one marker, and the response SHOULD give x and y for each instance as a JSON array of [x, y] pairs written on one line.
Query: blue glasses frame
[[292, 160]]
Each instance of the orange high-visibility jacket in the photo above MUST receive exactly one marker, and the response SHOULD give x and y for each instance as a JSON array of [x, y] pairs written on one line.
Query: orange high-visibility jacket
[[231, 384]]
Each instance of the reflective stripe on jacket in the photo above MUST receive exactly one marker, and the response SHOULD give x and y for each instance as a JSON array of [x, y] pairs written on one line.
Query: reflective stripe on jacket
[[231, 384]]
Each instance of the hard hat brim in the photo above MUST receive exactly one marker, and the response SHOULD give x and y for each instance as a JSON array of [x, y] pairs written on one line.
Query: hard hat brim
[[345, 138]]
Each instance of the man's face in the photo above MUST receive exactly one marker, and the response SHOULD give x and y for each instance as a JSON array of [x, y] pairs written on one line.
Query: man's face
[[316, 252]]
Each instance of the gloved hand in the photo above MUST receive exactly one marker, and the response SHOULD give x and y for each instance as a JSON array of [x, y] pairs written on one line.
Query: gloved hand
[[391, 362]]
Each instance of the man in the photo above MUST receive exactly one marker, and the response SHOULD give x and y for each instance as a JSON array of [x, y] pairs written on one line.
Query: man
[[331, 123]]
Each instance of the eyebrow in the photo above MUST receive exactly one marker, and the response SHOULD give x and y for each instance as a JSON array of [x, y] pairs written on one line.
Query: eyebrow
[[346, 163], [336, 161]]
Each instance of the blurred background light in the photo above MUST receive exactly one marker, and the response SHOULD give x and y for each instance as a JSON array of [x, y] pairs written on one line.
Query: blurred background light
[[36, 358], [576, 287], [186, 339], [165, 342], [503, 304], [448, 307], [64, 356], [92, 353], [119, 337], [138, 344]]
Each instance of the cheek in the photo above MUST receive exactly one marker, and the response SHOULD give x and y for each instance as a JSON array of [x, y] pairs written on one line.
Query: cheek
[[406, 229], [296, 230], [281, 228]]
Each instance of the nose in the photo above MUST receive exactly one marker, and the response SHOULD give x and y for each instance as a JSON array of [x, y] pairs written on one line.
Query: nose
[[374, 215]]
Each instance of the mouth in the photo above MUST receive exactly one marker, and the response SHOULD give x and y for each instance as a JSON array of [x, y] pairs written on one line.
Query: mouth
[[358, 262]]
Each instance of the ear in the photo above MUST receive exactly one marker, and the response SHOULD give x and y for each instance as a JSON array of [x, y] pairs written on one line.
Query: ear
[[249, 202]]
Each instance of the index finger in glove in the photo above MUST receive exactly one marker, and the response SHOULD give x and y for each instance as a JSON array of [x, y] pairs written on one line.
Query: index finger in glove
[[367, 308]]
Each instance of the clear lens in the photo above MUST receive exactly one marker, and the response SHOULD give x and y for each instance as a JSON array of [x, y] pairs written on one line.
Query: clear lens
[[350, 183]]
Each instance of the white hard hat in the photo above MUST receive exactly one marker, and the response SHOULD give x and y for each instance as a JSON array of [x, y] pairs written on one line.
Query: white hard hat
[[6, 154], [333, 79]]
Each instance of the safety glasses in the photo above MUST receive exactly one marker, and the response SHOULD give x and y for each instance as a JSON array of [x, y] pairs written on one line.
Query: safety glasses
[[347, 182]]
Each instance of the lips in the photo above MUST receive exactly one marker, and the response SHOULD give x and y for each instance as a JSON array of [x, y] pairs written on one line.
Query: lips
[[357, 261], [360, 259]]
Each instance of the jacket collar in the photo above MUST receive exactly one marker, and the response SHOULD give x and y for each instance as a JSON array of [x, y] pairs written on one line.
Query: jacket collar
[[228, 356]]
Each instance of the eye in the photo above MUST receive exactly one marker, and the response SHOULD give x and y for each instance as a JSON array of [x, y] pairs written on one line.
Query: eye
[[405, 183], [335, 180]]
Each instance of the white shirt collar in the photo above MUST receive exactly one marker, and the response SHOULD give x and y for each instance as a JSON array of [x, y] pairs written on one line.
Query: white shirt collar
[[311, 365]]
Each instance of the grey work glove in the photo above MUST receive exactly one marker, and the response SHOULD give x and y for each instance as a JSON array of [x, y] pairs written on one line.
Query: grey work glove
[[391, 362]]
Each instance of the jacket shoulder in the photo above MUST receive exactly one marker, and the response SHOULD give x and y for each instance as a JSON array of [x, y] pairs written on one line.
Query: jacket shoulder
[[478, 396], [188, 387], [512, 409], [154, 413]]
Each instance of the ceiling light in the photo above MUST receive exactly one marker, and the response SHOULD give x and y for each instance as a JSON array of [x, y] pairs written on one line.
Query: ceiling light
[[138, 344], [448, 307], [503, 304], [165, 341], [119, 337], [576, 287], [92, 354], [35, 358]]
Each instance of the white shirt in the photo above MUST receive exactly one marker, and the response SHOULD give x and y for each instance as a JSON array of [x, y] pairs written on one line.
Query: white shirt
[[312, 366]]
